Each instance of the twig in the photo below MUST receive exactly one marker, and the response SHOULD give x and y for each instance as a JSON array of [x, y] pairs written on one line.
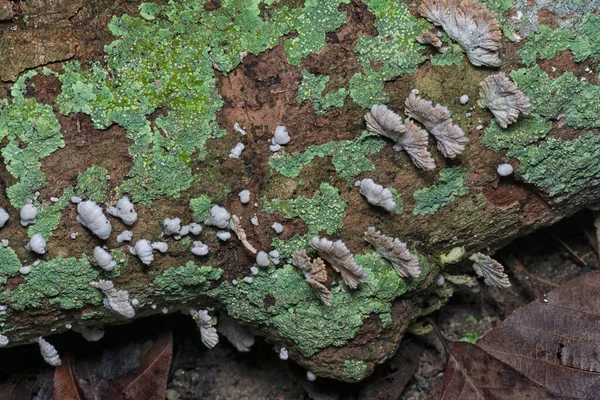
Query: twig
[[525, 279], [580, 260]]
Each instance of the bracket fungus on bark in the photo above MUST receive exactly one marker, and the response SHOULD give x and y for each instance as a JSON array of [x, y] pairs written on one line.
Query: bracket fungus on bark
[[407, 136], [437, 120], [115, 300], [238, 335], [208, 333], [503, 98], [341, 259], [396, 252], [491, 270], [49, 353], [377, 195], [314, 273], [470, 24]]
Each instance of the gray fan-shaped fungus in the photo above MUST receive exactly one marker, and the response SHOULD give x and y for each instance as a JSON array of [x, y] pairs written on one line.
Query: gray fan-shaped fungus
[[377, 195], [314, 273], [219, 217], [124, 210], [470, 24], [171, 226], [92, 334], [407, 136], [395, 251], [237, 334], [491, 270], [28, 214], [503, 98], [339, 257], [37, 244], [49, 353], [143, 249], [437, 121], [104, 259], [90, 215], [3, 217], [115, 300], [429, 37], [208, 333]]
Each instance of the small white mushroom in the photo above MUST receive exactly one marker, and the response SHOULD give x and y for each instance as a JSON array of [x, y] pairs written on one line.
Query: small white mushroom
[[224, 235], [199, 249], [4, 341], [124, 210], [277, 227], [195, 228], [37, 244], [281, 136], [3, 217], [283, 354], [244, 196], [236, 152], [49, 353], [262, 259], [104, 259], [219, 217], [504, 169], [76, 199], [143, 249], [28, 214], [90, 215], [25, 270], [160, 246], [171, 226], [124, 236]]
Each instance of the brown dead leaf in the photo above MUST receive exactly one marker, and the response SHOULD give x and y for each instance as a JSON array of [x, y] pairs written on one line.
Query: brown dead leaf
[[549, 349], [65, 382], [391, 386]]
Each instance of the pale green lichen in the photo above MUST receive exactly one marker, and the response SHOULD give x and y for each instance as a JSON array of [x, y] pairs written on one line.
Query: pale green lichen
[[583, 41], [9, 263], [349, 157], [49, 215], [354, 370], [93, 184], [186, 283], [201, 207], [525, 131], [367, 89], [312, 88], [33, 133], [449, 185], [62, 281], [324, 212], [317, 18], [297, 313]]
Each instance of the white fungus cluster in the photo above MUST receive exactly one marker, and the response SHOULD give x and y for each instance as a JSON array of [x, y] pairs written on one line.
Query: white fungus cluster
[[115, 300], [3, 217], [143, 249], [219, 217], [199, 249], [244, 196], [376, 194], [281, 137], [171, 226], [124, 210], [124, 236], [90, 215], [28, 214], [37, 244], [104, 259], [49, 353], [208, 333], [236, 152]]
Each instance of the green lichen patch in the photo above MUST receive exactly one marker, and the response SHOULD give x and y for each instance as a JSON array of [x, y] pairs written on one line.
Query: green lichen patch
[[367, 89], [525, 131], [9, 263], [449, 185], [49, 215], [187, 282], [399, 203], [93, 184], [297, 313], [325, 211], [395, 46], [349, 157], [201, 207], [560, 166], [312, 88], [62, 281], [354, 370], [583, 41], [317, 18], [33, 133], [452, 56]]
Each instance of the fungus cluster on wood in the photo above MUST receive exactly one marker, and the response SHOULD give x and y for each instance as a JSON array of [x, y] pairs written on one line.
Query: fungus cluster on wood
[[377, 195], [115, 300], [314, 273], [503, 98], [341, 260], [237, 334], [90, 215], [470, 24], [48, 352], [124, 210], [208, 333], [396, 252]]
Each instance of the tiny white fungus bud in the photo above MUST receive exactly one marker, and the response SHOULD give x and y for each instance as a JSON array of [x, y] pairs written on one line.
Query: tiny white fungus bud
[[244, 196], [54, 199], [262, 259], [195, 228], [277, 227], [4, 242], [3, 217], [143, 249], [504, 169], [254, 271], [25, 270], [224, 235], [219, 217], [274, 253], [124, 210], [68, 326], [199, 249], [464, 99], [274, 148], [104, 259], [281, 135], [310, 376], [90, 215], [135, 302], [254, 220], [239, 129], [76, 199], [4, 341], [283, 354], [236, 152], [184, 231], [124, 236], [37, 244], [28, 214], [248, 279], [171, 226], [164, 310], [160, 246]]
